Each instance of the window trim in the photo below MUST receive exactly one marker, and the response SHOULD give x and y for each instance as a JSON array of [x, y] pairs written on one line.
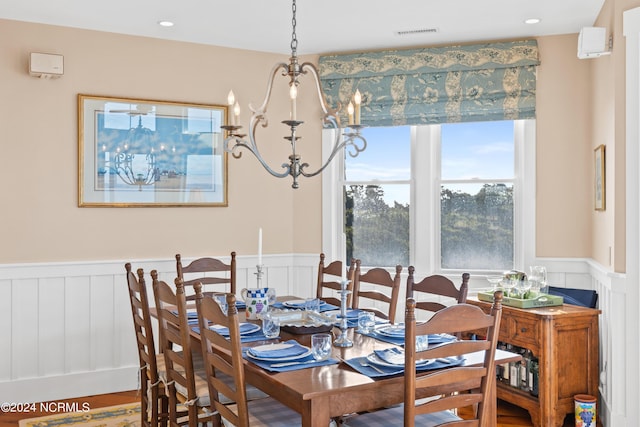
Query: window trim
[[425, 252]]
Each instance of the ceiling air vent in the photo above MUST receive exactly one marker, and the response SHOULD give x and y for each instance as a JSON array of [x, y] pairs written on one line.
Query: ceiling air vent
[[420, 31]]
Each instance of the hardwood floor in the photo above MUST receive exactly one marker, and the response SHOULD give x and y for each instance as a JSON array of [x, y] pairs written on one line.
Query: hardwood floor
[[508, 415]]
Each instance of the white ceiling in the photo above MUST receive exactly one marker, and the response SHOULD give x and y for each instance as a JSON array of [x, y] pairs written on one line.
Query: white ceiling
[[323, 26]]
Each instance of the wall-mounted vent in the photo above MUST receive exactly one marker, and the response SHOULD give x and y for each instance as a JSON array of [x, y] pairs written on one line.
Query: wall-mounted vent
[[420, 31]]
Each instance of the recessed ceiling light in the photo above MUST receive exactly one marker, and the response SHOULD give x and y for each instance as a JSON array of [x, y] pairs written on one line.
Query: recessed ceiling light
[[532, 21], [165, 23]]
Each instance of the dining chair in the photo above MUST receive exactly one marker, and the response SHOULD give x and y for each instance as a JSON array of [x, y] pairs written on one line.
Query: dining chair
[[154, 400], [188, 392], [208, 271], [223, 357], [330, 276], [379, 287], [439, 287], [453, 388]]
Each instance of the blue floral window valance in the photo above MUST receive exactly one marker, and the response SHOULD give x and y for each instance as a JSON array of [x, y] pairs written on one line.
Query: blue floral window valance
[[495, 81]]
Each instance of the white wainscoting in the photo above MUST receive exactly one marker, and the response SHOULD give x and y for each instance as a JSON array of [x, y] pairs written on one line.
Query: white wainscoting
[[68, 325], [67, 329]]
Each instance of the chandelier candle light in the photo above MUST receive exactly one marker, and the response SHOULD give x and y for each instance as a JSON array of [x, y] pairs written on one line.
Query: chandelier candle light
[[294, 70]]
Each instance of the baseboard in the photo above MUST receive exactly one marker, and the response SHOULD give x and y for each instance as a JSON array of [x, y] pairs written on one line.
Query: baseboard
[[44, 389]]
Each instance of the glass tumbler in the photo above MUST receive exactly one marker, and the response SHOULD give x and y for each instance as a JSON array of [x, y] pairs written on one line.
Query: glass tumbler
[[321, 346], [312, 304], [270, 326], [366, 322]]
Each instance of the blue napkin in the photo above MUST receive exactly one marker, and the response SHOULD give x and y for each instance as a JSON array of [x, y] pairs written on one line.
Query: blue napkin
[[307, 362], [385, 338], [325, 306], [393, 355], [399, 340], [440, 338], [256, 336], [277, 353], [223, 330], [370, 371], [192, 316]]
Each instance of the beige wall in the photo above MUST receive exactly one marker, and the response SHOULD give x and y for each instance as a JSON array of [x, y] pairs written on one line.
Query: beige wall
[[38, 137], [564, 193], [38, 121]]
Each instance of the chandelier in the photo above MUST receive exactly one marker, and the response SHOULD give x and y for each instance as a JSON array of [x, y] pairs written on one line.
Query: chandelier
[[295, 167]]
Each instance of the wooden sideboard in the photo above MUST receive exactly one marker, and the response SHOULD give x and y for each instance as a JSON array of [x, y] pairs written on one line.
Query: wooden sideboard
[[565, 341]]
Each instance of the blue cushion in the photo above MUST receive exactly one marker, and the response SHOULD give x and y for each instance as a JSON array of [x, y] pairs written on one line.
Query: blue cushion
[[581, 297]]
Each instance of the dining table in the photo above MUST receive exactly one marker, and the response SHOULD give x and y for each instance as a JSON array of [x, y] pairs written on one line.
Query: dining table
[[336, 389]]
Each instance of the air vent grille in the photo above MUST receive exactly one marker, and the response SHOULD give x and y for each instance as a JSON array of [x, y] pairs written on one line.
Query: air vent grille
[[420, 31]]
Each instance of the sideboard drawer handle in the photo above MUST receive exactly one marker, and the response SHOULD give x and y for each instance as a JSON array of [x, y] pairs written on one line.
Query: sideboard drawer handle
[[523, 330]]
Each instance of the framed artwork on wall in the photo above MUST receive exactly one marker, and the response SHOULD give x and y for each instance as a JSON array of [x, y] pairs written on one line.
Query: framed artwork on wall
[[134, 152], [600, 176]]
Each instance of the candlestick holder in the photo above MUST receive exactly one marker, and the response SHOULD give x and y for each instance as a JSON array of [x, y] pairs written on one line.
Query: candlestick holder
[[259, 273], [343, 340]]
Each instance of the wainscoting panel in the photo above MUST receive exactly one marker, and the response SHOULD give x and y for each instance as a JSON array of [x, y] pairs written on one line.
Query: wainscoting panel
[[68, 325]]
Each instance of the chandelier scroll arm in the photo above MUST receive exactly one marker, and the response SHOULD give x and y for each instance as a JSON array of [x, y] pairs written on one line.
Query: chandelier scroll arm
[[251, 145], [262, 110], [350, 140], [308, 67]]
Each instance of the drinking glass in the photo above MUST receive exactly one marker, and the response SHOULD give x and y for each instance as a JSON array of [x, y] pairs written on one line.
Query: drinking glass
[[539, 274], [321, 346], [270, 326], [495, 281], [422, 342], [508, 285], [523, 288], [366, 322], [222, 302], [312, 304]]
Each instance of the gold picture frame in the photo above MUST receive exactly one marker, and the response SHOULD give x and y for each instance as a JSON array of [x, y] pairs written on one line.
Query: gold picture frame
[[136, 152], [600, 179]]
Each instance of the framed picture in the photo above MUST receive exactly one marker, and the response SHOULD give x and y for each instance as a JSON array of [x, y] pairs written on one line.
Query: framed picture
[[600, 194], [135, 152]]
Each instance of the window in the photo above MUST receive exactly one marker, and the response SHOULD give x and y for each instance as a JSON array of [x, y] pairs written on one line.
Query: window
[[377, 191], [444, 198], [476, 196]]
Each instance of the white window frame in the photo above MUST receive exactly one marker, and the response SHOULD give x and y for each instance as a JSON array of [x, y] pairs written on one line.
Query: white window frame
[[425, 147]]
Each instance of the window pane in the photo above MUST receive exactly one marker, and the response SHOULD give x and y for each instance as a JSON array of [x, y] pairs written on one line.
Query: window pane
[[478, 150], [477, 226], [377, 232], [386, 158]]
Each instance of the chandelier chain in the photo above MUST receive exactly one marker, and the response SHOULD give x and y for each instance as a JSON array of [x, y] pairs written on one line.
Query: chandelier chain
[[294, 36]]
